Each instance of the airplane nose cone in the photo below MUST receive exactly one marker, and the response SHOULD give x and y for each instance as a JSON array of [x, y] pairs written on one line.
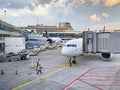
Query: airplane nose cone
[[67, 52], [64, 52], [70, 52]]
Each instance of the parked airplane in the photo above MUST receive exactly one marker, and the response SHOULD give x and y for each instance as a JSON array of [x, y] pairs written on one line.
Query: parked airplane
[[52, 39], [56, 39], [73, 48]]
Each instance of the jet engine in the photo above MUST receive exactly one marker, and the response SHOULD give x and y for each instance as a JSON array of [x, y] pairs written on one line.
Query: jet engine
[[106, 56]]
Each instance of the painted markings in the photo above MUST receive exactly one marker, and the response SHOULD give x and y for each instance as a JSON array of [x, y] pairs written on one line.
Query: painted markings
[[35, 80], [74, 81], [100, 79], [74, 68]]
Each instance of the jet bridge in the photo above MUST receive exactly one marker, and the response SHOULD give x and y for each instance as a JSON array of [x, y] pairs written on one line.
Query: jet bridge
[[102, 42]]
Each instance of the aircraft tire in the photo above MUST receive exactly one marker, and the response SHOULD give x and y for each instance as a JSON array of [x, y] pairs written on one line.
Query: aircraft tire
[[74, 61]]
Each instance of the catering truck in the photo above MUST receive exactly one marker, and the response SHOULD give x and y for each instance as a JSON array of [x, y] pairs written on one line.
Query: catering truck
[[15, 46]]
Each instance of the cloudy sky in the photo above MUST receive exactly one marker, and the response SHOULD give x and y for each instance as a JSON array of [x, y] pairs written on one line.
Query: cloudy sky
[[80, 13]]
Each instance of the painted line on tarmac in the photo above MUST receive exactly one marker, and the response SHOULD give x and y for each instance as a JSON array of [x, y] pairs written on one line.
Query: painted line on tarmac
[[75, 80], [61, 65], [35, 80], [74, 68]]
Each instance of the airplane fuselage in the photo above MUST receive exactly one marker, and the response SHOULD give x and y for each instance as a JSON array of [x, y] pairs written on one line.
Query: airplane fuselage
[[72, 48]]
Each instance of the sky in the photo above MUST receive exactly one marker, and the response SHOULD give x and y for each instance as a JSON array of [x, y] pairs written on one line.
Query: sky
[[80, 13]]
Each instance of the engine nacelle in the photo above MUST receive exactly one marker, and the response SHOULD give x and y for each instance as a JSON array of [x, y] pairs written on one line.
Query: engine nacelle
[[106, 56]]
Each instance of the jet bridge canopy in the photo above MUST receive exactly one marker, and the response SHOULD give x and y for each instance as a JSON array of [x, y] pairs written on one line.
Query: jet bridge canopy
[[103, 42]]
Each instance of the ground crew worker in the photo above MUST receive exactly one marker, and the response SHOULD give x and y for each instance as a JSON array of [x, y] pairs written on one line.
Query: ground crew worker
[[39, 69], [37, 64], [70, 61]]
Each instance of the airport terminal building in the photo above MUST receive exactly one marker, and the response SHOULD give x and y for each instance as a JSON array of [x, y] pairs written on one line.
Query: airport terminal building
[[40, 28], [64, 29], [7, 30]]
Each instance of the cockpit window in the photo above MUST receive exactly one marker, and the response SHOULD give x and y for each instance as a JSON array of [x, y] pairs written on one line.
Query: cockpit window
[[71, 45]]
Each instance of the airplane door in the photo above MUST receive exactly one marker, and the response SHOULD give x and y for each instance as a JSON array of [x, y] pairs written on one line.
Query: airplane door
[[90, 42]]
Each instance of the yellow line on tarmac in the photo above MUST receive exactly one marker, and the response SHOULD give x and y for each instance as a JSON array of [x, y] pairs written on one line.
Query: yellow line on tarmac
[[34, 80]]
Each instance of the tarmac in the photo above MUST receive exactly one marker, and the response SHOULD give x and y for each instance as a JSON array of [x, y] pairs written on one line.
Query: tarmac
[[90, 73]]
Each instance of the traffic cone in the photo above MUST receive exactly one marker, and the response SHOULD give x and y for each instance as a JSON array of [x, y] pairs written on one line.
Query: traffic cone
[[2, 72], [32, 67], [16, 72]]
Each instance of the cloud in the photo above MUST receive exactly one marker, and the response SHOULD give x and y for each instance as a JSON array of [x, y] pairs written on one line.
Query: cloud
[[79, 2], [42, 2], [62, 5], [110, 3], [69, 4], [95, 18], [105, 15], [37, 11], [74, 3], [16, 4], [95, 1]]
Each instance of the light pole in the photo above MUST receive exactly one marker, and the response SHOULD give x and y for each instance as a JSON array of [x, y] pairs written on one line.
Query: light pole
[[5, 14]]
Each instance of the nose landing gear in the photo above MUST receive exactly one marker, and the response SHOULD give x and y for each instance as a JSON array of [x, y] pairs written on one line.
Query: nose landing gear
[[72, 61]]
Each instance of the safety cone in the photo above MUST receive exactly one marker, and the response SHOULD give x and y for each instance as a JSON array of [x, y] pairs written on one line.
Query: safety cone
[[32, 67], [2, 71], [16, 72]]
